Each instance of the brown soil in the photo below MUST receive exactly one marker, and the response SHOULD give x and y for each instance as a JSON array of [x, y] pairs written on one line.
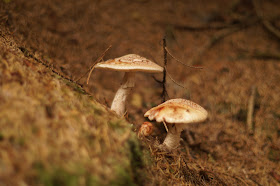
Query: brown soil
[[229, 39]]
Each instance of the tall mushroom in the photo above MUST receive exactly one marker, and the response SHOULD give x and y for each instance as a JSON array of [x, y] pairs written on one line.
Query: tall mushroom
[[129, 64], [177, 114]]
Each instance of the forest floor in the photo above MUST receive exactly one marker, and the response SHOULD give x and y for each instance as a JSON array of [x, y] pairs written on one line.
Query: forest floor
[[46, 117]]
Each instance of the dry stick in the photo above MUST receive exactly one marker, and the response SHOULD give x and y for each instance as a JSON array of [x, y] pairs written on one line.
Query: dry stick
[[164, 92], [250, 113], [265, 23], [91, 67], [163, 82]]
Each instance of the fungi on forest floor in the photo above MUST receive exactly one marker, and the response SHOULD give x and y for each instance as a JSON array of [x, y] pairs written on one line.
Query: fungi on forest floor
[[129, 64], [177, 114]]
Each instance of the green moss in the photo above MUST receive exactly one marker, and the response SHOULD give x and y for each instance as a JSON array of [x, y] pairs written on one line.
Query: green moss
[[123, 177], [17, 141], [74, 86], [56, 76], [131, 169], [20, 141], [87, 151], [118, 126], [115, 123], [136, 162], [92, 180], [89, 137], [7, 1], [97, 110], [58, 176], [135, 153], [1, 137], [146, 157]]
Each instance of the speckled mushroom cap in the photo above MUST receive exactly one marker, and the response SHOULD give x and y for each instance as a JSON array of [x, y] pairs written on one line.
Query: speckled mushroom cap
[[130, 63], [177, 111]]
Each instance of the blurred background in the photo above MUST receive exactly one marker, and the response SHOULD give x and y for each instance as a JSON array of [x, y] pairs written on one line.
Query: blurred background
[[236, 42]]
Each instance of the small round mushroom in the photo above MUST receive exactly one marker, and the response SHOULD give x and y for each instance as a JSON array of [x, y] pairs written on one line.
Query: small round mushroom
[[177, 114], [146, 129], [129, 64]]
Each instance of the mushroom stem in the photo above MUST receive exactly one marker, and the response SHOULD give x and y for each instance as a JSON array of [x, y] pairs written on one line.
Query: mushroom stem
[[172, 139], [118, 104]]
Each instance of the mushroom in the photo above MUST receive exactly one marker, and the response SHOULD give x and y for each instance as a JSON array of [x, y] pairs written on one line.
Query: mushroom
[[129, 64], [146, 129], [177, 114]]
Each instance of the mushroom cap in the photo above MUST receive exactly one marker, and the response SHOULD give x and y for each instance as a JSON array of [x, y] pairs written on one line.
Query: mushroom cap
[[130, 63], [146, 129], [177, 111]]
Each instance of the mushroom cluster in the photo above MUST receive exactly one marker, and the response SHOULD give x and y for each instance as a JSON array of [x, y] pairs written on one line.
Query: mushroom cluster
[[177, 114], [129, 64]]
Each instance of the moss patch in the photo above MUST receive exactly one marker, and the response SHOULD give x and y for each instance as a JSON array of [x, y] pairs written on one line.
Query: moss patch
[[53, 133]]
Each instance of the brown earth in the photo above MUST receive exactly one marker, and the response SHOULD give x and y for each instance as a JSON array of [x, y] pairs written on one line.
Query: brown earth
[[231, 40]]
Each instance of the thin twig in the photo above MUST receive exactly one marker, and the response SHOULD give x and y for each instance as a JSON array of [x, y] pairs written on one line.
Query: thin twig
[[91, 67], [174, 80], [265, 22], [181, 61], [158, 81], [97, 61], [166, 128], [250, 113]]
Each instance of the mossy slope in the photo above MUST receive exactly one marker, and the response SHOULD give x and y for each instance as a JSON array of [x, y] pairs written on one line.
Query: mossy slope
[[53, 134]]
